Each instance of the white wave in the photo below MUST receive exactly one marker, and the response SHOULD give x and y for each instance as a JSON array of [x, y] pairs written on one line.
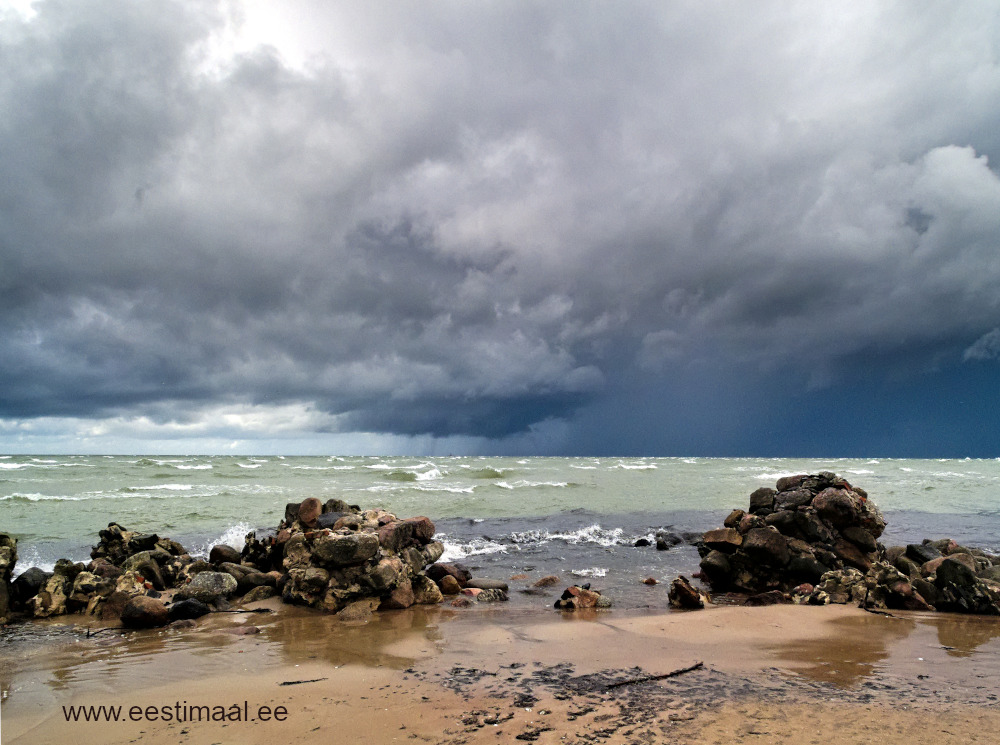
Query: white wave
[[592, 572], [30, 497], [201, 467], [234, 535], [455, 550], [248, 465], [860, 472], [690, 461], [775, 476], [591, 534], [14, 466], [30, 557], [585, 468], [523, 484], [636, 466], [162, 487], [907, 470], [449, 489], [428, 475]]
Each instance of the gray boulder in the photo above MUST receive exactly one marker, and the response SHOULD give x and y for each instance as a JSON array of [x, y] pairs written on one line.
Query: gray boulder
[[209, 587]]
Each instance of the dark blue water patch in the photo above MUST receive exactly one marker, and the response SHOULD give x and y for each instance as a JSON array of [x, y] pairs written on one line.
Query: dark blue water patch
[[980, 530], [580, 547]]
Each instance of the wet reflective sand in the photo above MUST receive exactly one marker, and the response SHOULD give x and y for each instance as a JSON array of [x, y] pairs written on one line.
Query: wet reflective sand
[[461, 675]]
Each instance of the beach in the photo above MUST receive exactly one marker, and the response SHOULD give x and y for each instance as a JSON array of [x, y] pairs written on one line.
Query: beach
[[774, 674], [495, 672]]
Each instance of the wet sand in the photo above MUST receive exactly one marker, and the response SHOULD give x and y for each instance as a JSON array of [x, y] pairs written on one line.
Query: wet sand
[[498, 674]]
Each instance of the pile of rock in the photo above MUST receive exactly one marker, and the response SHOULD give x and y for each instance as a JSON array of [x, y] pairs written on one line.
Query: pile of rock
[[335, 554], [814, 538], [807, 526], [933, 575], [327, 556]]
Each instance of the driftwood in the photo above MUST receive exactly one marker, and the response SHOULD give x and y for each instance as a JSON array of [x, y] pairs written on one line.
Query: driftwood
[[299, 682], [648, 678]]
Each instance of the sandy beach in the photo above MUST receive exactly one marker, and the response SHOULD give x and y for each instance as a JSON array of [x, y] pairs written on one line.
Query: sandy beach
[[776, 674]]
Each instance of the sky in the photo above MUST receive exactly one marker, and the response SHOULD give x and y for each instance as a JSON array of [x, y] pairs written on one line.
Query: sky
[[630, 228]]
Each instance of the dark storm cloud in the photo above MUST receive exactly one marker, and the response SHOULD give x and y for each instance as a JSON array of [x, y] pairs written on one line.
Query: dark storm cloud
[[462, 219]]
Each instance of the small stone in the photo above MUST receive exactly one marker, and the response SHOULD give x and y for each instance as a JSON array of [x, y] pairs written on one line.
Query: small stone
[[683, 594], [650, 581], [449, 585], [547, 581], [493, 595], [261, 592]]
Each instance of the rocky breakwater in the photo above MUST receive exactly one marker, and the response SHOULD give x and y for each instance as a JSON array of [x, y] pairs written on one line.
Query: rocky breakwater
[[814, 538], [808, 525], [336, 555], [329, 556]]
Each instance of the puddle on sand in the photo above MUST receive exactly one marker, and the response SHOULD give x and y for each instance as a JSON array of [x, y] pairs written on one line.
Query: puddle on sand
[[916, 646]]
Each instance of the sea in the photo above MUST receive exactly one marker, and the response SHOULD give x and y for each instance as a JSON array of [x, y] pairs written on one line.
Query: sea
[[576, 518]]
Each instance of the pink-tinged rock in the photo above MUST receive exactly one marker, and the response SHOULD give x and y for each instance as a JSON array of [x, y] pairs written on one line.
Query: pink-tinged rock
[[726, 540], [423, 529], [916, 601], [851, 555], [931, 567], [396, 536], [790, 482], [838, 507], [400, 598], [804, 589], [143, 612], [749, 522], [547, 581], [309, 512], [471, 591]]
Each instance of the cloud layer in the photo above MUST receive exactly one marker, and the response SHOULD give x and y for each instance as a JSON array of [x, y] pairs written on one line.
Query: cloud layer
[[471, 221]]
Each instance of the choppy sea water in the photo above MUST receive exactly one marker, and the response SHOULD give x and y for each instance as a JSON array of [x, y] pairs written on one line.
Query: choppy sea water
[[575, 517]]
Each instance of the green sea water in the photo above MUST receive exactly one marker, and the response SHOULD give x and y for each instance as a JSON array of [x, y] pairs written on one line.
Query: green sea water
[[55, 505]]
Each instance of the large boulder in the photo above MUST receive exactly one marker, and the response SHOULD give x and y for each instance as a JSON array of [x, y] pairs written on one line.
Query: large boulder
[[144, 612], [209, 587], [343, 549]]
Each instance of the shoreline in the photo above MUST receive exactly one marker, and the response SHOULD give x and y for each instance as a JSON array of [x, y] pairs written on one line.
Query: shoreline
[[487, 675]]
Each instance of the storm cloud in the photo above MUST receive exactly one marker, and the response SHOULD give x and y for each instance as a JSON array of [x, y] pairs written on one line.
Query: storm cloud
[[642, 227]]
